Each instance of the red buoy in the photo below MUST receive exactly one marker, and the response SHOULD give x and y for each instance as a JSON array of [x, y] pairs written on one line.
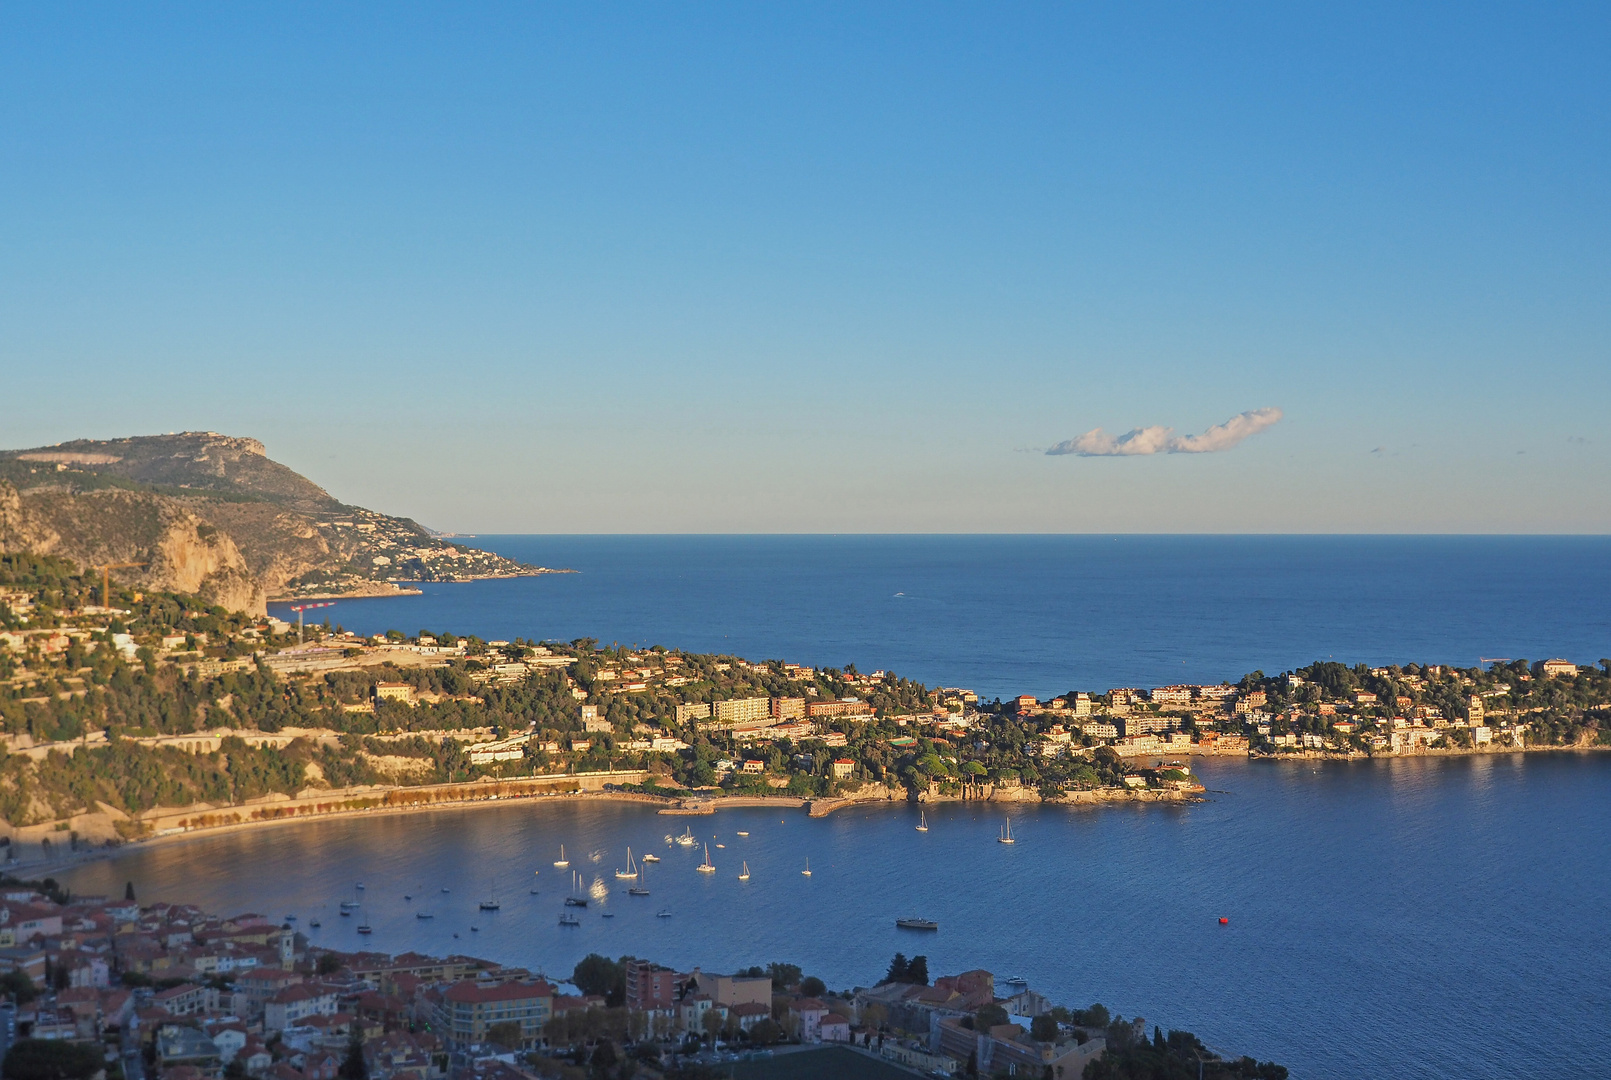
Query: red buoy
[[1224, 921]]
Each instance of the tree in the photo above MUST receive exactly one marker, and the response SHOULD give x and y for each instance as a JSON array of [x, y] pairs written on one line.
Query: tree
[[712, 1023], [52, 1059], [596, 974], [1043, 1029], [783, 975], [128, 891], [988, 1017], [811, 986], [766, 1032], [917, 972], [17, 986], [329, 963], [897, 969], [1094, 1017], [353, 1066], [506, 1034], [558, 1030]]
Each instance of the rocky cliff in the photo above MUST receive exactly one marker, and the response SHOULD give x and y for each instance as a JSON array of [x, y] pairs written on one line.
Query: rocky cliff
[[213, 516]]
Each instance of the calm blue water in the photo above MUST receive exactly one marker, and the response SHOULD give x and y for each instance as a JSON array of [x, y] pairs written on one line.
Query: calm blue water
[[1415, 918], [1006, 615], [1407, 919]]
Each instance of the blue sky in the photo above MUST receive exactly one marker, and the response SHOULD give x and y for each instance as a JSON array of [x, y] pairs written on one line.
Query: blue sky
[[755, 268]]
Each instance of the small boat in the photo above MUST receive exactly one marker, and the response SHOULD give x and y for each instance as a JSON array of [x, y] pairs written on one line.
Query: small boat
[[609, 914], [637, 890], [475, 929], [687, 838], [631, 871], [408, 896], [651, 857], [533, 891], [345, 913], [706, 867], [562, 862], [314, 925], [360, 886], [745, 876], [349, 905], [1006, 834], [366, 929], [663, 913], [807, 871], [922, 822], [446, 889], [566, 919], [491, 902], [917, 924], [743, 834], [423, 915], [596, 854], [577, 898], [290, 918]]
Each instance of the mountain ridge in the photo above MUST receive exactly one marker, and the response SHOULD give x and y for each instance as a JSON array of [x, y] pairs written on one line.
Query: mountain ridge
[[215, 516]]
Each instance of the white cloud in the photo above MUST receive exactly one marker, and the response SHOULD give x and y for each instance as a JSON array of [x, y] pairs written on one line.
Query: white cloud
[[1163, 440]]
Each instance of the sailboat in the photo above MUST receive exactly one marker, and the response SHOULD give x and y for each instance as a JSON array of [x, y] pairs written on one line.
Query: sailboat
[[706, 867], [576, 898], [642, 887], [687, 838], [630, 872], [491, 902], [364, 927], [922, 821], [745, 876], [807, 871], [1006, 834], [562, 862], [569, 920]]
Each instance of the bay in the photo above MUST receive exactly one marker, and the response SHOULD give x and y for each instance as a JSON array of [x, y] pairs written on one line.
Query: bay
[[1416, 918]]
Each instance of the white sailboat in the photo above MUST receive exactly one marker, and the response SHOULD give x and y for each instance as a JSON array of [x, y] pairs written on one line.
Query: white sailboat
[[1006, 834], [562, 862], [631, 872], [922, 821], [807, 871], [706, 867], [745, 876]]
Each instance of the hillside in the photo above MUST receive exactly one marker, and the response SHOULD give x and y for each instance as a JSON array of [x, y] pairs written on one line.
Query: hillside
[[213, 516]]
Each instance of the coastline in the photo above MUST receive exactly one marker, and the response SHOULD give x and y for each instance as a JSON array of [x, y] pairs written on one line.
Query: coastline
[[665, 804], [405, 587]]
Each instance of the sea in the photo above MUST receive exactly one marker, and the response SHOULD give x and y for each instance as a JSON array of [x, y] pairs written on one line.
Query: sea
[[1414, 918]]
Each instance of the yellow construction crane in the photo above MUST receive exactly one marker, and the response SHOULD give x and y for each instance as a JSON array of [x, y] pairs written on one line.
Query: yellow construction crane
[[106, 580]]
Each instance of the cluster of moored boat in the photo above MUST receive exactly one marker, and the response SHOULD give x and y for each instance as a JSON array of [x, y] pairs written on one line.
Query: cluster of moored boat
[[636, 872]]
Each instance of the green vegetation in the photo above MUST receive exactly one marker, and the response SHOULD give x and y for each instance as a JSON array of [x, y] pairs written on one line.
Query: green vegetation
[[52, 1059], [1180, 1055], [834, 1061], [116, 692]]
